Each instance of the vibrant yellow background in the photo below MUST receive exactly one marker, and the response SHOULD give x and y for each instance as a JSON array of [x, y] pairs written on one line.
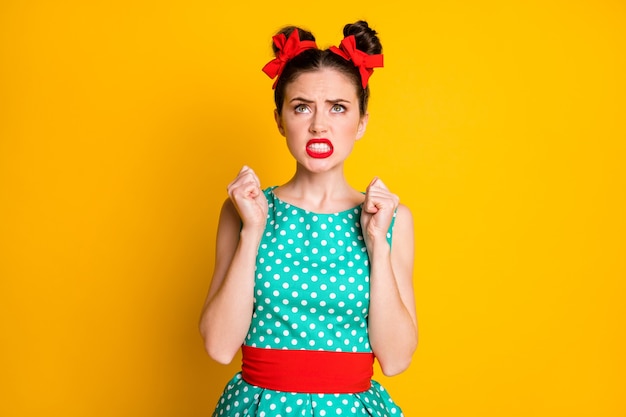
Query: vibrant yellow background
[[501, 124]]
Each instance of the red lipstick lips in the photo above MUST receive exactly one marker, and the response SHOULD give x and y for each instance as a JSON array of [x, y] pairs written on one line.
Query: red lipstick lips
[[319, 148]]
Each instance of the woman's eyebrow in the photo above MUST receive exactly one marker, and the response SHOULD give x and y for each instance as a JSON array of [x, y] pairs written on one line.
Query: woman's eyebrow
[[338, 100], [301, 99], [305, 100]]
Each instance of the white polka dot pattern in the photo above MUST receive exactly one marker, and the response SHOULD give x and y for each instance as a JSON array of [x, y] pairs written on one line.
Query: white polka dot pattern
[[242, 399], [312, 281], [311, 292]]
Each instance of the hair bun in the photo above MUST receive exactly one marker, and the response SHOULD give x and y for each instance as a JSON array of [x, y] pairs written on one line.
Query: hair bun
[[304, 35], [366, 38]]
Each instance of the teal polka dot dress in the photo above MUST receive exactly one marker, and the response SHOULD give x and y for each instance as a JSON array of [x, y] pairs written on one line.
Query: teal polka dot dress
[[311, 293]]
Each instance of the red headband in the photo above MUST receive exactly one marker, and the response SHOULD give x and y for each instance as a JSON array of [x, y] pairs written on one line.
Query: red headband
[[288, 48], [364, 62]]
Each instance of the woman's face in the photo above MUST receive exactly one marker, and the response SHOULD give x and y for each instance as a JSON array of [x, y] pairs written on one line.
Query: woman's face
[[320, 119]]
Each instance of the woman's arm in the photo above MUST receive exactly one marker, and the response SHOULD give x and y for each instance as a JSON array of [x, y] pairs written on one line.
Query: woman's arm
[[392, 319], [228, 307]]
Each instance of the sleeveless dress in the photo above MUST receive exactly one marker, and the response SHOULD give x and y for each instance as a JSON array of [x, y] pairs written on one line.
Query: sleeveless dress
[[311, 293]]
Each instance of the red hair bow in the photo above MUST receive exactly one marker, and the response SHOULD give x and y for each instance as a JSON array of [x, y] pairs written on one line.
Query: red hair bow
[[364, 62], [288, 48]]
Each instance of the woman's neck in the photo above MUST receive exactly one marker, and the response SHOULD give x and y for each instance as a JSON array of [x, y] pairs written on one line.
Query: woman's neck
[[326, 192]]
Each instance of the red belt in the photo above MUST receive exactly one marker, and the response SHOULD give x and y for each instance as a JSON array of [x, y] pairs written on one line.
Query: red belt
[[310, 371]]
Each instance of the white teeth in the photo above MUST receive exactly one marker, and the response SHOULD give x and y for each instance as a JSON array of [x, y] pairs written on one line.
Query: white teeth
[[319, 147]]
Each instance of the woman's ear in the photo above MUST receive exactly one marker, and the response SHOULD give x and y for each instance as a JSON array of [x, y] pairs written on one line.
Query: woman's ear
[[279, 122], [362, 125]]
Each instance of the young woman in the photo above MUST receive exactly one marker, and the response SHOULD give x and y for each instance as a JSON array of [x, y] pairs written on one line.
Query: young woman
[[306, 282]]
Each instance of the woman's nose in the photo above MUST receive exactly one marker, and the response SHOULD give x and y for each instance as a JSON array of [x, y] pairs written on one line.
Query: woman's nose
[[318, 124]]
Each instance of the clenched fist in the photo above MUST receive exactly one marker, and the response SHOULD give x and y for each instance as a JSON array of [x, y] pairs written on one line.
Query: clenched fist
[[246, 194], [378, 209]]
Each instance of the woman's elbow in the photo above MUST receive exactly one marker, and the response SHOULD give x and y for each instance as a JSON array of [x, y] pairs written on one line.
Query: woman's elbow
[[216, 350], [399, 362], [219, 353], [221, 357], [395, 367]]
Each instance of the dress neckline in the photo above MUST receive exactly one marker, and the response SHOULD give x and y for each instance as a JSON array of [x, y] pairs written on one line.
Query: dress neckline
[[352, 209]]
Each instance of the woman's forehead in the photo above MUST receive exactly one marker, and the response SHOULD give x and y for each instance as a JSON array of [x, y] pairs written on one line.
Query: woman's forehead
[[325, 82]]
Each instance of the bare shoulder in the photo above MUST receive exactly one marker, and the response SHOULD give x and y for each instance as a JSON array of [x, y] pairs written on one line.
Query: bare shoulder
[[403, 236], [225, 243], [228, 206], [404, 217], [228, 213], [227, 231]]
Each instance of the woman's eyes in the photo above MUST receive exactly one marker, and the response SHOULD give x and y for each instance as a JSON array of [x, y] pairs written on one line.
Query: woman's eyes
[[303, 108]]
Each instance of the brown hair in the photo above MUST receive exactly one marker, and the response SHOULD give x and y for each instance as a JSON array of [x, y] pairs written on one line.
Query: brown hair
[[315, 59]]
